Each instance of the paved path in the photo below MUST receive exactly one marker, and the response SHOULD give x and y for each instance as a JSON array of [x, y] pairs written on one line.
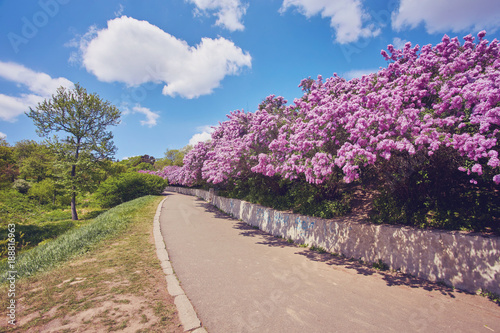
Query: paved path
[[242, 280]]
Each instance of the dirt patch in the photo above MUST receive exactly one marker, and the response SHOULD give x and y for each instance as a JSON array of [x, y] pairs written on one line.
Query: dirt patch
[[124, 313], [118, 286]]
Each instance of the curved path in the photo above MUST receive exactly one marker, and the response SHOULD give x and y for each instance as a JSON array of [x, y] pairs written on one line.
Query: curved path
[[242, 280]]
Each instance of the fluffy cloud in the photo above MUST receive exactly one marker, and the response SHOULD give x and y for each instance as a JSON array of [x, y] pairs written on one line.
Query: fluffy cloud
[[119, 12], [205, 135], [136, 52], [229, 12], [151, 116], [3, 135], [399, 43], [346, 17], [39, 85], [443, 16], [358, 73]]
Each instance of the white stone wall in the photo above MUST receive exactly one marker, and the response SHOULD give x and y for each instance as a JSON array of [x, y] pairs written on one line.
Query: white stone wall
[[467, 262]]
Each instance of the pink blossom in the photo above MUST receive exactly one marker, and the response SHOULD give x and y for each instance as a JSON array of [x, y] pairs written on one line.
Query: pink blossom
[[425, 100]]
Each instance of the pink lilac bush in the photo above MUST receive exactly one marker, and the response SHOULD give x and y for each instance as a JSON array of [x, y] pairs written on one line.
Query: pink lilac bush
[[426, 99], [446, 96]]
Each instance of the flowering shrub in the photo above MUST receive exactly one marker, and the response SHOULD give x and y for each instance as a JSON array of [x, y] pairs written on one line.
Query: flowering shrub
[[430, 106]]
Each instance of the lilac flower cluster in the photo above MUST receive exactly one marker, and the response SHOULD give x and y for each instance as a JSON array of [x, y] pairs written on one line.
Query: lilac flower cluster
[[426, 99]]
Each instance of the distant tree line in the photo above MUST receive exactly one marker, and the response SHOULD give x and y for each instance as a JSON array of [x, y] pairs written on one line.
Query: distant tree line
[[76, 156]]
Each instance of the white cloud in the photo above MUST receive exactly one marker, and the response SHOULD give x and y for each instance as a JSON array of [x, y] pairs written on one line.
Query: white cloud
[[3, 135], [229, 12], [151, 116], [346, 17], [358, 73], [135, 52], [39, 85], [205, 135], [11, 107], [443, 16], [81, 42], [119, 12], [399, 43]]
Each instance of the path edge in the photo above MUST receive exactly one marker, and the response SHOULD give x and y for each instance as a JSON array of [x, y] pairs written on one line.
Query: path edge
[[187, 315]]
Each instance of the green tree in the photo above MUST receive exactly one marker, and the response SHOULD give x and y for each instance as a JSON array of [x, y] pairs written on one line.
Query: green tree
[[173, 157], [35, 160], [130, 162], [84, 118], [8, 167], [45, 191], [136, 163], [127, 186]]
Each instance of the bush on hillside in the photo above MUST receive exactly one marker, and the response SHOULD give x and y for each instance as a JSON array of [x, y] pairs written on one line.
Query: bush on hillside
[[44, 191], [124, 187], [21, 185]]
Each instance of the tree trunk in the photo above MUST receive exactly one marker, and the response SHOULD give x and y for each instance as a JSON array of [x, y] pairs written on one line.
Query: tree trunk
[[74, 214]]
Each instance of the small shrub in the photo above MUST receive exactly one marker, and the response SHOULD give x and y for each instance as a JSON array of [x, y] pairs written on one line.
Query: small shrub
[[318, 249], [16, 207], [380, 265], [44, 191], [125, 187], [492, 296], [21, 185]]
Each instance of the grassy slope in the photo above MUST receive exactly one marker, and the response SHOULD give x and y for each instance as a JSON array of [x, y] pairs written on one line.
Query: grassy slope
[[114, 280], [36, 223]]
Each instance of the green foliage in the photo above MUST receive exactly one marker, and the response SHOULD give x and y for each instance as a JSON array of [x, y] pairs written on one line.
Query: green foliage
[[84, 118], [44, 192], [34, 222], [141, 166], [21, 185], [492, 296], [34, 159], [75, 241], [324, 201], [130, 162], [8, 166], [16, 207], [128, 186], [380, 265], [173, 157], [30, 235], [318, 249], [433, 193], [136, 163]]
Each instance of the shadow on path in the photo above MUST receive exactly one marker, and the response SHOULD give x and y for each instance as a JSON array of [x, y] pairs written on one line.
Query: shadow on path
[[217, 213], [392, 278]]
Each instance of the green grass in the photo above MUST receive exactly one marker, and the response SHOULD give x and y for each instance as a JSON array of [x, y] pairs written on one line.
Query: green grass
[[75, 241], [380, 265], [36, 223], [318, 249], [492, 296]]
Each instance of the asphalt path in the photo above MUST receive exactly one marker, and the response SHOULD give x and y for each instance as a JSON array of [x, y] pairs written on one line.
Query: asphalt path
[[243, 280]]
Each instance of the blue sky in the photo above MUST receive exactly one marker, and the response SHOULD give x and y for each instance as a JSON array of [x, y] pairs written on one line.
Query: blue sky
[[177, 67]]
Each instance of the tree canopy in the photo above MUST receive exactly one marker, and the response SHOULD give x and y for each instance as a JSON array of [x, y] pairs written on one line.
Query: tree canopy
[[78, 122]]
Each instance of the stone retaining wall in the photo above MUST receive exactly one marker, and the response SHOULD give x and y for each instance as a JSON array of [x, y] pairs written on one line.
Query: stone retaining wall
[[467, 262]]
